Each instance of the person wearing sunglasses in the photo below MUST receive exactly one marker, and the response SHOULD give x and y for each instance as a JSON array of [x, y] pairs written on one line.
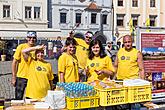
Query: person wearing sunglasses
[[20, 67], [82, 53]]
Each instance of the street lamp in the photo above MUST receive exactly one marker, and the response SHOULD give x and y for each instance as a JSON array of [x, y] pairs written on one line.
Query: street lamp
[[112, 10]]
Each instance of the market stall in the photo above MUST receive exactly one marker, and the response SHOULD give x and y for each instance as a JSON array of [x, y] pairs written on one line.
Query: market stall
[[93, 94]]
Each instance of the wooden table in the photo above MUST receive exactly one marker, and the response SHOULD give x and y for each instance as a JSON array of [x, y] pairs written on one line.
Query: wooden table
[[24, 107]]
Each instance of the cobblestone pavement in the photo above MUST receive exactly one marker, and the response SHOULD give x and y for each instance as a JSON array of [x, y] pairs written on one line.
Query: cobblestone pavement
[[6, 89]]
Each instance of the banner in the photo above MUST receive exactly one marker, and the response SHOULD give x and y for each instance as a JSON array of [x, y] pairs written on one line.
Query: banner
[[153, 50]]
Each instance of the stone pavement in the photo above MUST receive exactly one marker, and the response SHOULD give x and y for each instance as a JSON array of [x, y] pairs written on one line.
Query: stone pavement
[[6, 89]]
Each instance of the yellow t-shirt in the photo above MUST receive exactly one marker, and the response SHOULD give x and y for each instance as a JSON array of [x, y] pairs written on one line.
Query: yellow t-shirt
[[127, 64], [23, 66], [98, 63], [40, 73], [81, 52], [68, 64]]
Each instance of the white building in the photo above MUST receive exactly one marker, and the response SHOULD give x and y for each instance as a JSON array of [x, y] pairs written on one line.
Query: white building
[[19, 16], [140, 11], [67, 13]]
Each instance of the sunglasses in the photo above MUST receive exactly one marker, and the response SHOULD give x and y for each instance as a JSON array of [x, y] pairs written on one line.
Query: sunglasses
[[88, 37], [32, 37]]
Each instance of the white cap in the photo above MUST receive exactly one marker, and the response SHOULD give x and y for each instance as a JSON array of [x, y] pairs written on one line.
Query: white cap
[[31, 34]]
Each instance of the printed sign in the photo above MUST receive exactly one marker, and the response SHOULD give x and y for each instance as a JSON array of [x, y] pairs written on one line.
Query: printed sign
[[153, 50]]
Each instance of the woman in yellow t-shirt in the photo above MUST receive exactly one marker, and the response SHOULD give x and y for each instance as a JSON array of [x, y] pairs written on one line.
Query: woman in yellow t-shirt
[[40, 73], [99, 65], [68, 63]]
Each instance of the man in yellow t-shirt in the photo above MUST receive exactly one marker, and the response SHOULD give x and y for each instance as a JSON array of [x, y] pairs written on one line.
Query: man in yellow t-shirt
[[19, 66], [40, 73], [82, 52], [129, 61], [68, 63]]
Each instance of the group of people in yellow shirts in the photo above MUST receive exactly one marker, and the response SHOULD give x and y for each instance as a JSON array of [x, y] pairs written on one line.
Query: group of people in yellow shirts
[[82, 60], [89, 55]]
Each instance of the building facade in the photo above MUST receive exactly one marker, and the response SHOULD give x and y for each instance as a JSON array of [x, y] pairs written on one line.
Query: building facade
[[87, 15], [19, 16], [138, 13]]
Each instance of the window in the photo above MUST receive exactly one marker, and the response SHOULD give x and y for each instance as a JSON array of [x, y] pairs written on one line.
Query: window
[[62, 17], [28, 12], [93, 18], [36, 12], [78, 17], [6, 11], [152, 20], [135, 20], [120, 19], [120, 3], [134, 3], [152, 3], [104, 19]]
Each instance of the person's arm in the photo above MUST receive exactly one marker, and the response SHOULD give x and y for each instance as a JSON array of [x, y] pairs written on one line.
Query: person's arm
[[51, 84], [26, 52], [115, 66], [62, 79], [141, 65], [14, 71], [104, 72]]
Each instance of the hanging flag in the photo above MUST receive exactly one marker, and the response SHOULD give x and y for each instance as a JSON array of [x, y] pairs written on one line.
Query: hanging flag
[[131, 27], [147, 23]]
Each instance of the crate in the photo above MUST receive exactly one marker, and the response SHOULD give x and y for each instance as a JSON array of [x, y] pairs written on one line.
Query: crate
[[82, 102], [139, 94], [112, 96]]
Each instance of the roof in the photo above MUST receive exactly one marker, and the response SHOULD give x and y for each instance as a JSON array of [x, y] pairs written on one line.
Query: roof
[[93, 7]]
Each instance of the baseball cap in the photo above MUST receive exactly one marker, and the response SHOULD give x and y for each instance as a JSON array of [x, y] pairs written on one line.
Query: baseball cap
[[31, 34]]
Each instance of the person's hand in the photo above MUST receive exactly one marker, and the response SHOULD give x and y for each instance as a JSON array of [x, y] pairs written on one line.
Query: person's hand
[[87, 70], [41, 47], [99, 72], [13, 81]]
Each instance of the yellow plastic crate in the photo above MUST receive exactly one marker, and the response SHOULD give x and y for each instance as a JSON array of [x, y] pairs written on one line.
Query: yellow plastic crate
[[82, 102], [112, 96], [139, 93]]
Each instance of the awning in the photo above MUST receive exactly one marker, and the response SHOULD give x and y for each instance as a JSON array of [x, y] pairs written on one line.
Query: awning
[[22, 33]]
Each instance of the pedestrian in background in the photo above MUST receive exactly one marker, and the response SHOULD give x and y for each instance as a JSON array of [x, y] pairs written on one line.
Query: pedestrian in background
[[40, 78], [20, 67], [68, 63], [108, 49], [99, 65], [129, 61]]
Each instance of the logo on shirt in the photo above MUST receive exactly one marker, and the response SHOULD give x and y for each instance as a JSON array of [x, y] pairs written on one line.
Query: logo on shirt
[[92, 64], [125, 58], [39, 68]]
